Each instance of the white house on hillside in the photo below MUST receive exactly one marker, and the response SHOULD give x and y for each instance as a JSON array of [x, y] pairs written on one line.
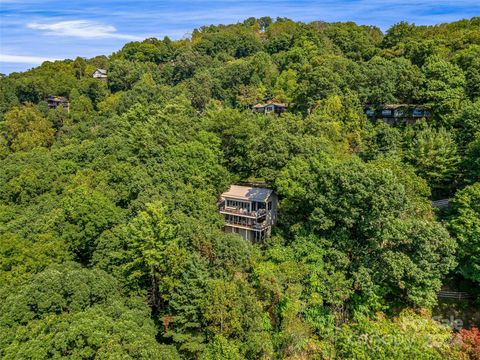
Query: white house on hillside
[[100, 74]]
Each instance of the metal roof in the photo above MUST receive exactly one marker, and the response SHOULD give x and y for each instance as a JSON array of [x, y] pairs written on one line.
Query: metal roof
[[397, 106], [270, 102], [441, 204], [55, 98], [247, 193]]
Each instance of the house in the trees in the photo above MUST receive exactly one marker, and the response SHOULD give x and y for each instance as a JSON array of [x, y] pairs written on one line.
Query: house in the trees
[[56, 101], [441, 204], [271, 107], [397, 113], [100, 74], [249, 211]]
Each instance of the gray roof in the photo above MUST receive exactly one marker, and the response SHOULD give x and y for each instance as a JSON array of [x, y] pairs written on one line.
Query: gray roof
[[441, 204], [398, 106], [247, 193], [259, 106], [55, 98]]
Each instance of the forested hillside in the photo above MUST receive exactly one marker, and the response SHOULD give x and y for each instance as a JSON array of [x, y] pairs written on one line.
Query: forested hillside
[[111, 246]]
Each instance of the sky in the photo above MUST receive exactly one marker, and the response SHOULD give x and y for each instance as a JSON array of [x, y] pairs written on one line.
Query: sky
[[33, 31]]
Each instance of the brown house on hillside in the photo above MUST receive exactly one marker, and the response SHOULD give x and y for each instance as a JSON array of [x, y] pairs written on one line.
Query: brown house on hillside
[[56, 101], [270, 107]]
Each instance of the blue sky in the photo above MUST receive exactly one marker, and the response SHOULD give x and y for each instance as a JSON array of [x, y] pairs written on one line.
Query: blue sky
[[32, 31]]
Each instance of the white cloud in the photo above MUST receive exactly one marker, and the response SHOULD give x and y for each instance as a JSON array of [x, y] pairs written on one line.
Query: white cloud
[[23, 59], [86, 29]]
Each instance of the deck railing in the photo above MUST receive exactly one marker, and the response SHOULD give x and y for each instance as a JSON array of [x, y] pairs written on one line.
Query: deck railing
[[457, 295], [242, 212], [254, 226]]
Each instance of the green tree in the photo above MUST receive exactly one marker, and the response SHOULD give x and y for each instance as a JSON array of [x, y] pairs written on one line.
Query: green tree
[[398, 33], [382, 79], [234, 40], [286, 86], [87, 213], [405, 337], [409, 81], [384, 141], [471, 161], [467, 123], [137, 252], [122, 75], [81, 107], [184, 323], [464, 222], [25, 128], [222, 311], [444, 89], [149, 50], [233, 310], [67, 311], [472, 74], [468, 60], [22, 258], [94, 89], [221, 349], [8, 97], [356, 208], [434, 155], [237, 132], [79, 65]]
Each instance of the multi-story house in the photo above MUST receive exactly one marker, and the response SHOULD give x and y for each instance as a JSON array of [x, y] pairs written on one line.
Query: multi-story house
[[56, 101], [397, 113], [249, 211]]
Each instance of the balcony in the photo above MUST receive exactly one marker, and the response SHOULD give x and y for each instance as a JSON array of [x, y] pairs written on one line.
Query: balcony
[[246, 226], [259, 214]]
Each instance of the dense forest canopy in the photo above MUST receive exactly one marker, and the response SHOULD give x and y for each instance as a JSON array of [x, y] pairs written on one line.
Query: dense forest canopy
[[110, 241]]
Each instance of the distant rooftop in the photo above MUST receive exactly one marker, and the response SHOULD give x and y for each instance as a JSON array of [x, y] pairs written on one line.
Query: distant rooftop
[[55, 98], [247, 193], [100, 74], [441, 204], [397, 106], [270, 102]]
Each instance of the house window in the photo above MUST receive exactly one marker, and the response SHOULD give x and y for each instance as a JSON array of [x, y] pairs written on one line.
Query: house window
[[237, 204], [386, 112], [258, 205], [399, 113], [269, 205]]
